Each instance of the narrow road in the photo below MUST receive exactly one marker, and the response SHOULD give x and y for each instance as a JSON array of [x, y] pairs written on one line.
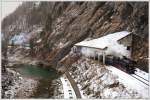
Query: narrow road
[[74, 85], [67, 88]]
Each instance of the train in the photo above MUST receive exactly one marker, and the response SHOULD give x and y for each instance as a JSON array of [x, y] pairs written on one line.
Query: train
[[125, 64]]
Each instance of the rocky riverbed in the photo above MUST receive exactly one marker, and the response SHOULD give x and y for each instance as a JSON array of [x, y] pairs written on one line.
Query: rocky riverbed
[[15, 86]]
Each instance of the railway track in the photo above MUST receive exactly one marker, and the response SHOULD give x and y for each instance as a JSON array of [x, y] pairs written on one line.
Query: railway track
[[141, 79]]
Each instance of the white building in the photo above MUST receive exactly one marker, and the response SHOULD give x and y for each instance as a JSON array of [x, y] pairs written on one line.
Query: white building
[[115, 44]]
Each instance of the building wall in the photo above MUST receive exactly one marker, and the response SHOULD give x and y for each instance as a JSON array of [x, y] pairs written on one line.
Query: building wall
[[87, 51], [126, 41], [97, 54]]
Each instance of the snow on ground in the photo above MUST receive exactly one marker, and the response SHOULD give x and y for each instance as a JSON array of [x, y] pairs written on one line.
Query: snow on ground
[[142, 74], [37, 4], [130, 82], [38, 41], [97, 81], [141, 79], [22, 87], [81, 92], [67, 88]]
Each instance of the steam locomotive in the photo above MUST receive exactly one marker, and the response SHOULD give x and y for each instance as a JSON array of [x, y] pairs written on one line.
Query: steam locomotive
[[124, 64]]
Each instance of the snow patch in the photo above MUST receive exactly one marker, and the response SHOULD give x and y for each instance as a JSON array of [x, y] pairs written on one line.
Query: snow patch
[[19, 39], [38, 41], [67, 88], [142, 74], [37, 4], [99, 81], [130, 82]]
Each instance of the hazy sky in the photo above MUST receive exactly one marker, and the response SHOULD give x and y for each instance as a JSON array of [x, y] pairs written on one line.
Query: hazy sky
[[9, 7]]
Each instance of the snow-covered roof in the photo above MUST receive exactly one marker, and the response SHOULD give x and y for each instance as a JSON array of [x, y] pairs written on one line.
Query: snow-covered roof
[[104, 41]]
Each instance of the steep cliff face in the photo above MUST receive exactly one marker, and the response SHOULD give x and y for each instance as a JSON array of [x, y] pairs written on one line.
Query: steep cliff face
[[66, 23]]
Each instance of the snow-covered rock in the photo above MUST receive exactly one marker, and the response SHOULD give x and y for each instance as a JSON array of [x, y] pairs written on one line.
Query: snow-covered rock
[[18, 87], [97, 81]]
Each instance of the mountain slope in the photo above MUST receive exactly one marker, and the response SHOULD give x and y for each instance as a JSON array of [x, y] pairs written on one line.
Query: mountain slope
[[66, 23]]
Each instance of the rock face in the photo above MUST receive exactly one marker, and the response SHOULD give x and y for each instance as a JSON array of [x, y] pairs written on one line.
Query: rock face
[[66, 23]]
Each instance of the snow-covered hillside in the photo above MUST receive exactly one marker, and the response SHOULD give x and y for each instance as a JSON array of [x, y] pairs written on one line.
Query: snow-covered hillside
[[25, 37]]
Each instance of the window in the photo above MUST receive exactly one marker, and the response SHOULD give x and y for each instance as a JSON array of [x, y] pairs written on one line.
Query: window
[[70, 93], [128, 48], [69, 90]]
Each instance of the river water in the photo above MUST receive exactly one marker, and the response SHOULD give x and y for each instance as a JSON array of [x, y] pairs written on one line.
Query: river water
[[45, 77]]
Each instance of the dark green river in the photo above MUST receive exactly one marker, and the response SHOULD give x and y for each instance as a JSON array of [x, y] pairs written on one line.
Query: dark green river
[[37, 72], [44, 76]]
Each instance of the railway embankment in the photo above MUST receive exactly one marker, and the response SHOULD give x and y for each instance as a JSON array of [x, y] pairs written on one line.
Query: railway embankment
[[99, 81]]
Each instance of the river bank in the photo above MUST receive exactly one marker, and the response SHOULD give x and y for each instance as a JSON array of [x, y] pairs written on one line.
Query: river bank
[[15, 86], [25, 79]]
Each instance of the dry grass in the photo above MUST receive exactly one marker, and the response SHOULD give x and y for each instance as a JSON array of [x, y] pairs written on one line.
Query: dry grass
[[52, 54]]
